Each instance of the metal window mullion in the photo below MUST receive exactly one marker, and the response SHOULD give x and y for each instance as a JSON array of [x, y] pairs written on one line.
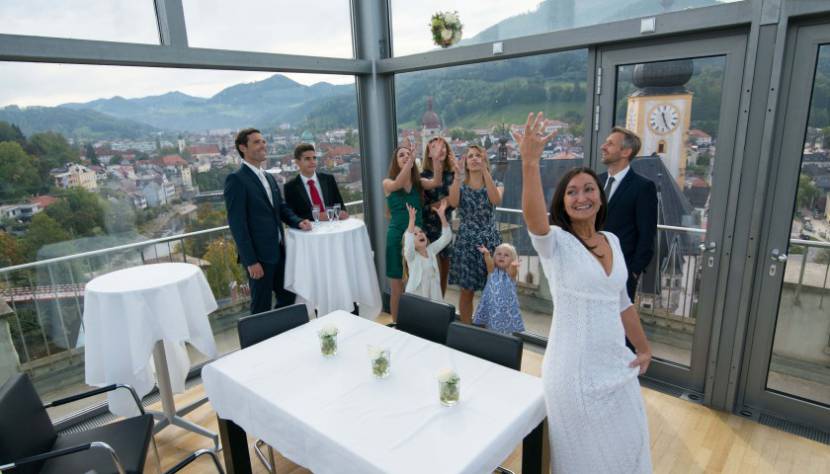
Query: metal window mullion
[[37, 313], [17, 318], [111, 53], [171, 23]]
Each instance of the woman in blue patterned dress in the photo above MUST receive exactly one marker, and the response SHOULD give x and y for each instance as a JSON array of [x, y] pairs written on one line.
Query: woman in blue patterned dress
[[436, 186], [498, 308], [475, 195]]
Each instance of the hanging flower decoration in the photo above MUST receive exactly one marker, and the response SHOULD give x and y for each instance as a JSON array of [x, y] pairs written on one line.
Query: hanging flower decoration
[[446, 28]]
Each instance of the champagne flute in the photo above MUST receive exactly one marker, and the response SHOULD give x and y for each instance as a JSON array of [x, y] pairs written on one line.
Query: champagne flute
[[336, 212], [330, 213]]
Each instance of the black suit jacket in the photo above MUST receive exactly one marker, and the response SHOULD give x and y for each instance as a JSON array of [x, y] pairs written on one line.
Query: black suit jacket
[[298, 200], [255, 224], [632, 217]]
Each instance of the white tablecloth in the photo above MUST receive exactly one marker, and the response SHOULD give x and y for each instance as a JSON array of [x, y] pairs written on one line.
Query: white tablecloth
[[127, 311], [332, 267], [332, 416]]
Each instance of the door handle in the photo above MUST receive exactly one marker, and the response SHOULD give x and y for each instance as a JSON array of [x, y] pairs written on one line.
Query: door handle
[[711, 247], [776, 256]]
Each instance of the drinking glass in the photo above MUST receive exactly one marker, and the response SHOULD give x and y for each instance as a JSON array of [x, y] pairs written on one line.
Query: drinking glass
[[330, 213], [380, 361], [449, 392], [315, 213], [337, 212]]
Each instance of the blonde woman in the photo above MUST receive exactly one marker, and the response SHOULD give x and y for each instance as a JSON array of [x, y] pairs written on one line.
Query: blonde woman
[[475, 194]]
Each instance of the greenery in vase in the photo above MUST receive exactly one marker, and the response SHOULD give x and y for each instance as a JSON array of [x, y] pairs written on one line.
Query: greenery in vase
[[328, 340], [380, 366], [449, 386], [379, 357], [328, 345]]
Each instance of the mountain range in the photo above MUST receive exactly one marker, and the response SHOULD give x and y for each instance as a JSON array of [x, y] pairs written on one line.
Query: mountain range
[[267, 103]]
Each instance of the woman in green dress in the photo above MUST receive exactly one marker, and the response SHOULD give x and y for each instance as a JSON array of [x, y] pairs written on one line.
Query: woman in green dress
[[401, 187]]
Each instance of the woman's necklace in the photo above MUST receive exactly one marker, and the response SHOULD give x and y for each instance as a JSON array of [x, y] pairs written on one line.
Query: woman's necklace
[[588, 243]]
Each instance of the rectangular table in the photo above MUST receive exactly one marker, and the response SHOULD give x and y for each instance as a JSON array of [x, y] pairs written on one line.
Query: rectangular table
[[332, 415]]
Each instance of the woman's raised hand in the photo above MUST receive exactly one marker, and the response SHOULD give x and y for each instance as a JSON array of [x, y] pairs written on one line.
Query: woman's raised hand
[[442, 207], [532, 141], [459, 166]]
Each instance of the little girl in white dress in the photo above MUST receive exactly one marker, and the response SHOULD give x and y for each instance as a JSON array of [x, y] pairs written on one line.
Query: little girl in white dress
[[420, 262]]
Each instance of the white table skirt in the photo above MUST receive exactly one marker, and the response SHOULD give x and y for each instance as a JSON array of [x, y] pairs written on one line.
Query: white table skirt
[[332, 266], [127, 311], [332, 416]]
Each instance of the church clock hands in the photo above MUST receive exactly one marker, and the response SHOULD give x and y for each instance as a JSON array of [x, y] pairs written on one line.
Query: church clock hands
[[663, 118]]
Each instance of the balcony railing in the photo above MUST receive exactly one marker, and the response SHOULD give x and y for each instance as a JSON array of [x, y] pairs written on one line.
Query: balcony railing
[[46, 297], [44, 320]]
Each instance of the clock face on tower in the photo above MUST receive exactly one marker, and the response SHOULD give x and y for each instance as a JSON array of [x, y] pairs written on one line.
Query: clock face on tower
[[663, 119]]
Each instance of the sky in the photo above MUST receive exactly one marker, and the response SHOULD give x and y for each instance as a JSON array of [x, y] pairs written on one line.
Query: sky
[[309, 27]]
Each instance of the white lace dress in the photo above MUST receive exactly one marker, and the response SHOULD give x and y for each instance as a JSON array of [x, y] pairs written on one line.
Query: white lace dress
[[595, 409]]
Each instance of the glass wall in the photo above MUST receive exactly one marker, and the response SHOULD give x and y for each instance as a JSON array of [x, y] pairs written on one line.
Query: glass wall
[[674, 106], [800, 362], [481, 104], [486, 21], [94, 157], [309, 27], [128, 21]]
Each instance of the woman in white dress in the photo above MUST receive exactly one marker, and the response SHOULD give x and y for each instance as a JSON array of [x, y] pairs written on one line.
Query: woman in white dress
[[595, 409]]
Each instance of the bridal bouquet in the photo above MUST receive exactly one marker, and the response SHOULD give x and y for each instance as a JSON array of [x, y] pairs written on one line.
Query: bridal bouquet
[[446, 28]]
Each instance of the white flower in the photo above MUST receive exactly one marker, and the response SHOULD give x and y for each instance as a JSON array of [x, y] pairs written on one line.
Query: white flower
[[450, 18], [446, 34], [329, 330], [375, 352], [456, 36], [447, 376]]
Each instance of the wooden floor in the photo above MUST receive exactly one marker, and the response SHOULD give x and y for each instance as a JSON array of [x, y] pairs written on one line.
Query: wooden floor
[[685, 438]]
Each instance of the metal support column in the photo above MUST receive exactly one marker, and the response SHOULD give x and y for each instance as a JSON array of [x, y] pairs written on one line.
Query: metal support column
[[376, 118]]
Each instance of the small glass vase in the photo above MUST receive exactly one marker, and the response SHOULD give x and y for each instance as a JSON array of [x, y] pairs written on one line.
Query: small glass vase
[[381, 364], [449, 392], [328, 345]]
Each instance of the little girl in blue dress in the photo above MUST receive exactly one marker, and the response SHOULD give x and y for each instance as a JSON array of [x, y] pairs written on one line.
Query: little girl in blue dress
[[499, 306]]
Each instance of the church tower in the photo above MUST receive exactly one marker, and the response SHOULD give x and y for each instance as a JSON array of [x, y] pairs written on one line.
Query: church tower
[[430, 126], [659, 112]]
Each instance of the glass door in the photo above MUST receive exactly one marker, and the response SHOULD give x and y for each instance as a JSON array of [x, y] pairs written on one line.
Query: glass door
[[787, 370], [681, 97]]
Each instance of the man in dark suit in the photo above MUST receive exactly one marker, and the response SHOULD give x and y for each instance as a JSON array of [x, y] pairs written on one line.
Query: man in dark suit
[[632, 203], [310, 188], [256, 212]]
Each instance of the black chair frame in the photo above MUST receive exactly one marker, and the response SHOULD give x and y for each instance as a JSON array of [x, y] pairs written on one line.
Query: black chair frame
[[100, 445]]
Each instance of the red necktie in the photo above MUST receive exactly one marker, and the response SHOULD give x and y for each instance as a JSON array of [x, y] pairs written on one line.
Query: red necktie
[[315, 196]]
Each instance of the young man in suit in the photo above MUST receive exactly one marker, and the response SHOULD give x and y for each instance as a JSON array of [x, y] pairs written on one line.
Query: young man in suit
[[256, 212], [632, 203], [310, 188]]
